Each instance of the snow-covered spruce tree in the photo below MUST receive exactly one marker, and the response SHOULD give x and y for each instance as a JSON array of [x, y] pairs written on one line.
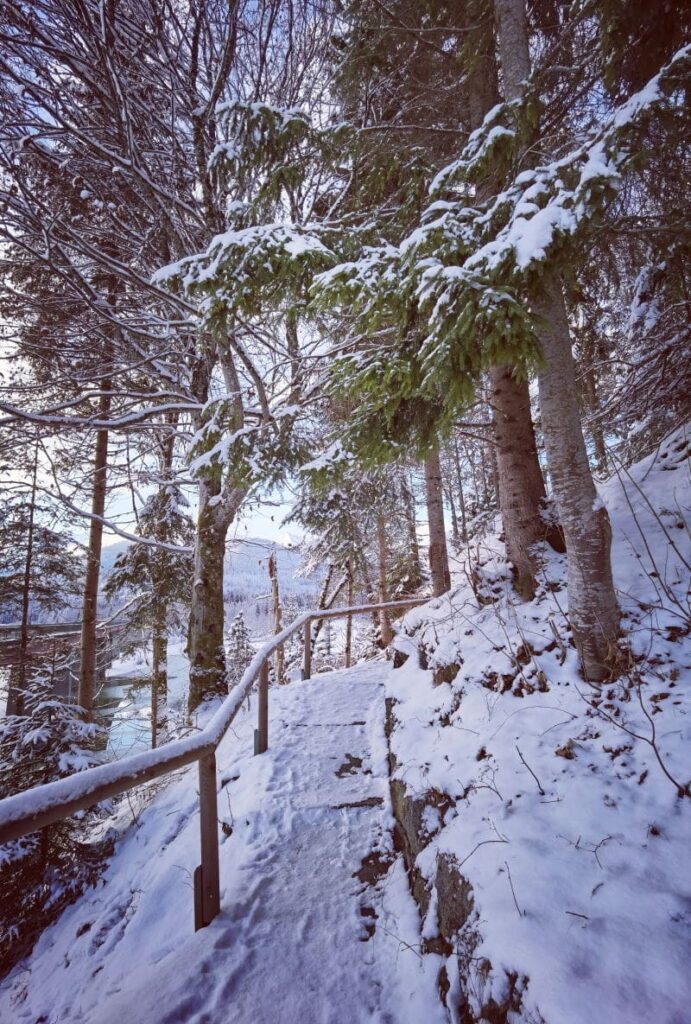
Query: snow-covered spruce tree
[[359, 522], [239, 651], [386, 71], [44, 872], [474, 274], [40, 566], [156, 580], [249, 286], [635, 299]]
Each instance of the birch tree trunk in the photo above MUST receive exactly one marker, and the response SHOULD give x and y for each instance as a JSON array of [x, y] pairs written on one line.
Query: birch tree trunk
[[438, 554], [593, 609], [87, 662]]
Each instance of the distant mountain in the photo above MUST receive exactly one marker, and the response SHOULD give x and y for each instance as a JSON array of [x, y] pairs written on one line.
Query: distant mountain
[[246, 585]]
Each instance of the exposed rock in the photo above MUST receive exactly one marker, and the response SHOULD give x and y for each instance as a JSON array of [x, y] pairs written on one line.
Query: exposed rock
[[399, 658], [445, 673], [476, 996]]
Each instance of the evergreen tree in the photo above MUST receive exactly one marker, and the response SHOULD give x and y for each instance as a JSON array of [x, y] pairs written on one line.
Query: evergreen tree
[[42, 873], [480, 280], [40, 565], [239, 650], [158, 578], [56, 566]]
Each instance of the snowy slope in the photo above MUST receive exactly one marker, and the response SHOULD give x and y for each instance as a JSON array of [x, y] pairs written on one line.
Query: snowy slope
[[556, 807], [301, 939], [563, 817]]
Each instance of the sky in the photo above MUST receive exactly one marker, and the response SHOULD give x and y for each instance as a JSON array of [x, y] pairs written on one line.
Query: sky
[[256, 521]]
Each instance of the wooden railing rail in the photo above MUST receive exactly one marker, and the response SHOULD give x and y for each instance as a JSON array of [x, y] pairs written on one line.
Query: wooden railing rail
[[43, 805]]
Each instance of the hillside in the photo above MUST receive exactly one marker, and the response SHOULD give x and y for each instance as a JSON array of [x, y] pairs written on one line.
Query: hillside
[[546, 822], [543, 825]]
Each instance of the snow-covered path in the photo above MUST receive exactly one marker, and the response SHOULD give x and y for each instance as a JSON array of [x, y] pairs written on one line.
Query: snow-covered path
[[317, 925]]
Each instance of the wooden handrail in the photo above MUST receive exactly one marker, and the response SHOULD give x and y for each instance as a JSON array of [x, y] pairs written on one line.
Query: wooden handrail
[[36, 808]]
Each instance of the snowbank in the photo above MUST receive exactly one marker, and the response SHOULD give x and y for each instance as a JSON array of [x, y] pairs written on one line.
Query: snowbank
[[558, 803]]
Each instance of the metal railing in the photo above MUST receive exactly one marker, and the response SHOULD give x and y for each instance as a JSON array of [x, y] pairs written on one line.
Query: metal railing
[[36, 808]]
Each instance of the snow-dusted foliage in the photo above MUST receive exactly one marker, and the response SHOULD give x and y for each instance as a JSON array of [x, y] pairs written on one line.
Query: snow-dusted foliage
[[459, 287], [149, 577], [565, 806], [42, 873], [239, 649]]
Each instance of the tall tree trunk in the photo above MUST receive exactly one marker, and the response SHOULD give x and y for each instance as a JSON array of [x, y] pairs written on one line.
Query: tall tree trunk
[[382, 559], [593, 609], [461, 496], [206, 649], [438, 554], [219, 502], [15, 703], [159, 675], [88, 649], [349, 620], [159, 629], [520, 485], [454, 518], [411, 527], [278, 618]]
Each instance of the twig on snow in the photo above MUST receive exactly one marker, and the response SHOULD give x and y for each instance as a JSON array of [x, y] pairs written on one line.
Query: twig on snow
[[539, 787], [521, 913]]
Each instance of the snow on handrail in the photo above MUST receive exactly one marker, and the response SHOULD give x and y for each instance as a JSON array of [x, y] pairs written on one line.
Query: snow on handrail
[[35, 808]]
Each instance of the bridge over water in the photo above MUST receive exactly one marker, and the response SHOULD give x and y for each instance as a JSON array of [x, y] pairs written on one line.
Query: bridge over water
[[55, 648]]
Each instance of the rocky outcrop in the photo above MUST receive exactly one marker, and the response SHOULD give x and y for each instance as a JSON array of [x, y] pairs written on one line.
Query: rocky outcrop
[[456, 923]]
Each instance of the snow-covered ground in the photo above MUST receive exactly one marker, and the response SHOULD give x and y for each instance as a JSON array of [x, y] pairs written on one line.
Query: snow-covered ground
[[560, 808], [563, 817], [301, 939]]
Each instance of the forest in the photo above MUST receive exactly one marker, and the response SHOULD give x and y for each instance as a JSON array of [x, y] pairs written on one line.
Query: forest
[[345, 381]]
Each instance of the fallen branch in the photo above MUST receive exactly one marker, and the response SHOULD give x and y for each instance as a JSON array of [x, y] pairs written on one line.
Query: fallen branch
[[539, 787]]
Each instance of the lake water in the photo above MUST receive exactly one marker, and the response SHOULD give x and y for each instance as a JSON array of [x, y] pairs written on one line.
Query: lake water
[[125, 699]]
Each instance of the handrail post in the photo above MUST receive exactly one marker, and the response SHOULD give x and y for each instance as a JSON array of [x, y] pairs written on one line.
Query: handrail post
[[261, 733], [207, 885], [307, 665]]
